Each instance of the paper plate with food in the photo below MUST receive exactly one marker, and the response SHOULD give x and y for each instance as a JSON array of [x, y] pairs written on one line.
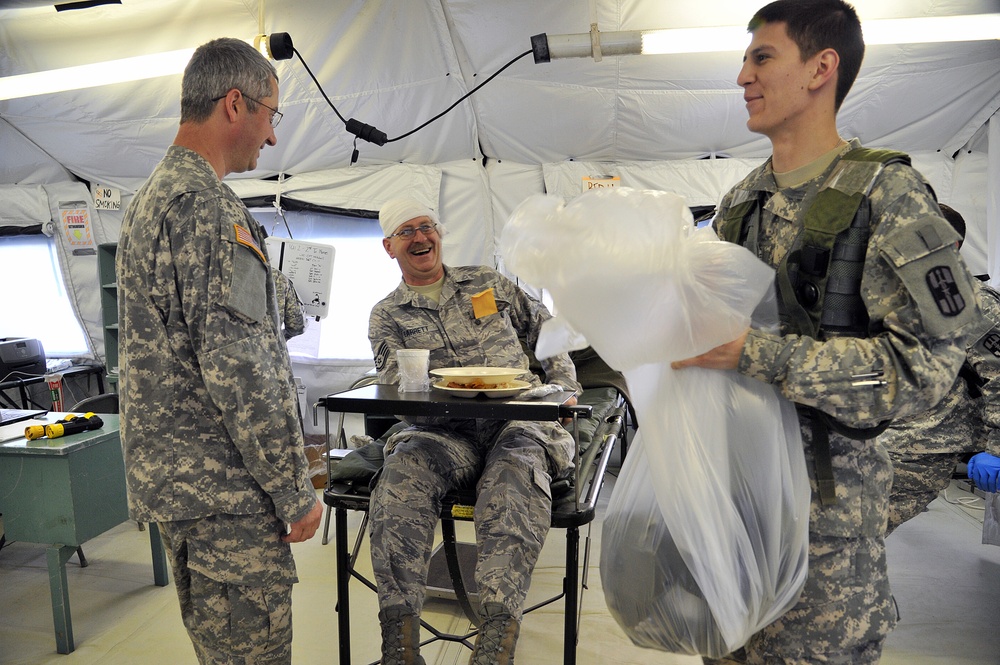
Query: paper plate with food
[[496, 382]]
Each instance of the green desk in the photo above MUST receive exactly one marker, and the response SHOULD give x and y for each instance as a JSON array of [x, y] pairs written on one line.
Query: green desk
[[61, 493]]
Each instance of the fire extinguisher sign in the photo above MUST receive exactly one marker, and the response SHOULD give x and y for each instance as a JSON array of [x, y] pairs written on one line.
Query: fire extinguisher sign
[[75, 218]]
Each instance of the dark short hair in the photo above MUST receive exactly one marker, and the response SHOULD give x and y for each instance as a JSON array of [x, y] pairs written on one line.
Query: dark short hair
[[815, 25], [216, 68], [954, 218]]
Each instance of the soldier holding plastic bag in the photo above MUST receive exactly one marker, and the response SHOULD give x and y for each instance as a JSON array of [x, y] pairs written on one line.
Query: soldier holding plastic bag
[[871, 315]]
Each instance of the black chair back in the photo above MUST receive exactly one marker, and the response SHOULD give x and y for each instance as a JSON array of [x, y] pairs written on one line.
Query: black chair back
[[104, 403]]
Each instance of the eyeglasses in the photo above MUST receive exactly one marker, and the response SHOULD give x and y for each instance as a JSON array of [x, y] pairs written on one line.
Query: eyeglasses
[[407, 234], [275, 113]]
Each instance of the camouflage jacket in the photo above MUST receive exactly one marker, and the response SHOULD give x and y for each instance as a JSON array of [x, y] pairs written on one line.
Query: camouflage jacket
[[968, 418], [209, 419], [916, 343], [289, 305], [453, 333]]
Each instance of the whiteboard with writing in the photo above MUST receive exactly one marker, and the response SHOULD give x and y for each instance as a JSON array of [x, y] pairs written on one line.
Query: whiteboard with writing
[[309, 265]]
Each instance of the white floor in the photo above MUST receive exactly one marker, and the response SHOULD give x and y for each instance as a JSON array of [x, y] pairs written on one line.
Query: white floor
[[947, 586], [946, 583]]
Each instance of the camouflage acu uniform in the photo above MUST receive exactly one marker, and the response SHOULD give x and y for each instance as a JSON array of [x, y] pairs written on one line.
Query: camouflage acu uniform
[[209, 423], [924, 449], [513, 462], [845, 610], [289, 305]]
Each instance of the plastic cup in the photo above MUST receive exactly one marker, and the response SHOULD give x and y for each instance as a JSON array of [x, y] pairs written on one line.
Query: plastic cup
[[414, 370]]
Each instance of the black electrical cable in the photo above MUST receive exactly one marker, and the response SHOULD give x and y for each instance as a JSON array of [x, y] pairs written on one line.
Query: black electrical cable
[[373, 135], [462, 98], [302, 60]]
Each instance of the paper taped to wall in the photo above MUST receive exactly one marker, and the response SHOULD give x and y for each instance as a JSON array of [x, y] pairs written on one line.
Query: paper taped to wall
[[309, 265]]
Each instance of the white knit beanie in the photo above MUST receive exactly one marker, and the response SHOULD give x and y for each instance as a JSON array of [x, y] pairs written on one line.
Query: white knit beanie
[[396, 212]]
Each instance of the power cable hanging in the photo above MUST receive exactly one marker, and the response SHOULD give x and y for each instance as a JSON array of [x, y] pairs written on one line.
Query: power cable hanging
[[374, 135]]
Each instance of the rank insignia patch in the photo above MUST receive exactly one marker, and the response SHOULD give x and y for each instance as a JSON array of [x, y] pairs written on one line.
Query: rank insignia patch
[[381, 354]]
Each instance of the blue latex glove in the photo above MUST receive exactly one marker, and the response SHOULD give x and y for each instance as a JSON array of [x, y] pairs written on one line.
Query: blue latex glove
[[984, 471]]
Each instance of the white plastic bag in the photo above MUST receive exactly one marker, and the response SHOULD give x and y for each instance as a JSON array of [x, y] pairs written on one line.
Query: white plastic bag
[[991, 519], [705, 540]]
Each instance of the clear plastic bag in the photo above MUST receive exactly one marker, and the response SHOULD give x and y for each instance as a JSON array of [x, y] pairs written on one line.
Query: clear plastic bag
[[705, 539], [991, 519]]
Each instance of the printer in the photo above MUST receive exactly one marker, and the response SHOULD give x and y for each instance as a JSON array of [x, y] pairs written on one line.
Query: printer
[[21, 357]]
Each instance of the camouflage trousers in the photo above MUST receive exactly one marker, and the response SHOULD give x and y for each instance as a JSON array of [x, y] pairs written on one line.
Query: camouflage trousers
[[916, 481], [511, 470], [234, 581], [842, 617]]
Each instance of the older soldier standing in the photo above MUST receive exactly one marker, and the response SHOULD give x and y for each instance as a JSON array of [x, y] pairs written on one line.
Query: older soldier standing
[[210, 426], [872, 305], [925, 448], [511, 463]]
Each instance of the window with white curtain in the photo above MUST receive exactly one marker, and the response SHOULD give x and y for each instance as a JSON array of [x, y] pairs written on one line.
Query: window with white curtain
[[363, 274], [33, 298]]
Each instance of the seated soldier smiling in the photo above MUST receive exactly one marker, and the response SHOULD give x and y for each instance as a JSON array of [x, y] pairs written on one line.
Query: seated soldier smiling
[[466, 316]]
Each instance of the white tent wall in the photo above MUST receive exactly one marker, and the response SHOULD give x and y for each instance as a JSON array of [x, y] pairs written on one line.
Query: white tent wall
[[532, 129], [23, 162], [395, 65], [992, 195], [78, 258], [23, 205], [970, 185], [358, 188], [688, 105], [29, 205]]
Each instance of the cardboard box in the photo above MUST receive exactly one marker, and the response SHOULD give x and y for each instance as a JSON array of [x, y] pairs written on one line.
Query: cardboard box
[[316, 454]]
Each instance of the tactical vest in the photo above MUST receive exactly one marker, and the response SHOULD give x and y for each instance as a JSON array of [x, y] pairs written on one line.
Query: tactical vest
[[818, 281]]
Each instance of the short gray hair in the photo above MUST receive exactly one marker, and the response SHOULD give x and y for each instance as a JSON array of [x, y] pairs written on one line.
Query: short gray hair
[[216, 68]]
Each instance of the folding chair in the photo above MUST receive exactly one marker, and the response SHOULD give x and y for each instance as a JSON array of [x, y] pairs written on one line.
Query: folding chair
[[574, 506]]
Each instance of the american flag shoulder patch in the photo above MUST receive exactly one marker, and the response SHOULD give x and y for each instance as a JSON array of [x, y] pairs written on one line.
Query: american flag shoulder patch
[[245, 238]]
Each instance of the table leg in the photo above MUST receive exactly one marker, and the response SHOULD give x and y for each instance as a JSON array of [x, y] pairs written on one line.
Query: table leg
[[343, 585], [57, 556], [160, 577], [572, 607]]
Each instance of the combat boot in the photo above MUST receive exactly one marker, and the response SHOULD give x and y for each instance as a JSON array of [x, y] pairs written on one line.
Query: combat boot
[[400, 637], [497, 637]]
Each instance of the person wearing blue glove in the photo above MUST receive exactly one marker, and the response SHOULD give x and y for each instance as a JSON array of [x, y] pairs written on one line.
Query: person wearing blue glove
[[984, 471]]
